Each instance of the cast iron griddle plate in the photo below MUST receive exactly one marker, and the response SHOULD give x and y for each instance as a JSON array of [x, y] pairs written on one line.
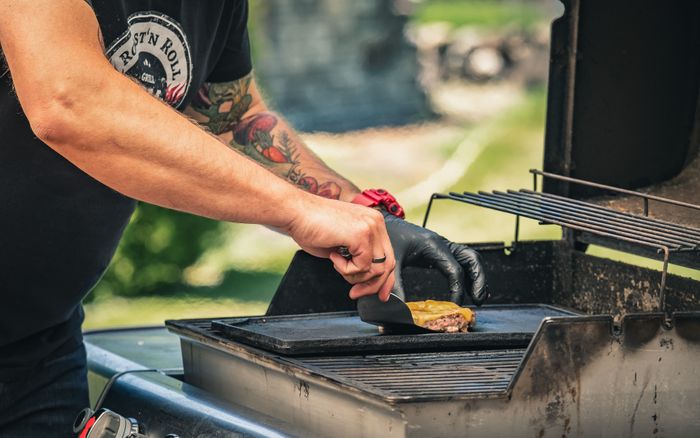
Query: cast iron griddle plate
[[497, 326]]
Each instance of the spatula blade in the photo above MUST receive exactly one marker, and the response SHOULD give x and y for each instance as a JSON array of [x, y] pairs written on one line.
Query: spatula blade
[[394, 315]]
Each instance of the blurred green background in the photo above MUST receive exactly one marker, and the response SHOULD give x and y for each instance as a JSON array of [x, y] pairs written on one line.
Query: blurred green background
[[486, 135], [484, 13]]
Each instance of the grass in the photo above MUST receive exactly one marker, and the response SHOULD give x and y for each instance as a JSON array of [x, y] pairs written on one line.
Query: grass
[[120, 311], [481, 13], [642, 261], [240, 293], [514, 145]]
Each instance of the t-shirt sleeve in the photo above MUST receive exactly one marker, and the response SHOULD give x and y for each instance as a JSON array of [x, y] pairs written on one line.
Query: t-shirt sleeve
[[234, 61]]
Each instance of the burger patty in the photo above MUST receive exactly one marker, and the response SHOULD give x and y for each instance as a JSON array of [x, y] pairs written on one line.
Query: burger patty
[[453, 323], [443, 316]]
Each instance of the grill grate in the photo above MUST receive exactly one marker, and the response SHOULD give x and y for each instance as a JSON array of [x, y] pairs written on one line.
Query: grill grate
[[404, 377], [593, 223], [587, 217], [424, 376]]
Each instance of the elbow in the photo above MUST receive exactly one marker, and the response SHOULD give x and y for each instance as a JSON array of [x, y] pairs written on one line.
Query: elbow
[[49, 128], [57, 117]]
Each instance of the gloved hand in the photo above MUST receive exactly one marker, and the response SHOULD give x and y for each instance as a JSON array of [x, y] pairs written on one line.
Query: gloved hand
[[417, 246]]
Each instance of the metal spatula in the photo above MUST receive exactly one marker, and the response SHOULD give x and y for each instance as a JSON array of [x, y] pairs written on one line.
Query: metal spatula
[[394, 316]]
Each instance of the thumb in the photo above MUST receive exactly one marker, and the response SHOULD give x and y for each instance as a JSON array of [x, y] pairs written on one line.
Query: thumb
[[471, 262]]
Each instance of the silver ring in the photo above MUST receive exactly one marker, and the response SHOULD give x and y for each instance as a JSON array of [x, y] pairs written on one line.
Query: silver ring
[[379, 260]]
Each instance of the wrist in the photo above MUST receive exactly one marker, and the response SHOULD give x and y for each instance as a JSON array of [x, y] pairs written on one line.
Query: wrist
[[296, 204], [349, 194]]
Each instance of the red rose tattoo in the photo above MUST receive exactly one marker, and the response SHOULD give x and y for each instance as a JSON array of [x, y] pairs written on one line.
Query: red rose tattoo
[[256, 131], [261, 136], [329, 190]]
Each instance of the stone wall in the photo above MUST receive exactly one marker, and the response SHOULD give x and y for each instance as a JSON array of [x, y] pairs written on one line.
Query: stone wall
[[336, 65]]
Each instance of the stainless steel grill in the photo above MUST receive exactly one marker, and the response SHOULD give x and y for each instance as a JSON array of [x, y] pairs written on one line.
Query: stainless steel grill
[[425, 376], [302, 363]]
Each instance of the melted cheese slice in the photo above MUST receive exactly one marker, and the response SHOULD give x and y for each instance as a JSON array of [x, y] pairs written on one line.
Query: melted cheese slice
[[430, 310]]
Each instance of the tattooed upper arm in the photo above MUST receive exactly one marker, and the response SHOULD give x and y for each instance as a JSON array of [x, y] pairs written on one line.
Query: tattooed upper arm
[[229, 111], [235, 112], [220, 106]]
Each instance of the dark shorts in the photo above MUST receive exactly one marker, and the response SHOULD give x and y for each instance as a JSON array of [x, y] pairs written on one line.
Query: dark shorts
[[46, 403]]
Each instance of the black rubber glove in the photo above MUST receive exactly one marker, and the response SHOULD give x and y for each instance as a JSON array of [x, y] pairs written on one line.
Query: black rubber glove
[[417, 246]]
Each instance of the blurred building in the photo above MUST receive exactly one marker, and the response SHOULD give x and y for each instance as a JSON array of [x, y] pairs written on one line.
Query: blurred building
[[336, 65]]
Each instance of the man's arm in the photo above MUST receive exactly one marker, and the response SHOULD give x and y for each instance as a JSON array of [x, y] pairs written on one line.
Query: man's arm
[[237, 114], [109, 127]]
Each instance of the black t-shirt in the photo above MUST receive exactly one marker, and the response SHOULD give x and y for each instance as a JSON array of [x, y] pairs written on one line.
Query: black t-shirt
[[58, 226]]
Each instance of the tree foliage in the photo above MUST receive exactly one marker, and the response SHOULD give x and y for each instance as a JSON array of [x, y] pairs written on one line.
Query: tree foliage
[[157, 247]]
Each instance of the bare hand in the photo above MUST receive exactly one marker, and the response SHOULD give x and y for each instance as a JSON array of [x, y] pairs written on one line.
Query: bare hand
[[320, 226]]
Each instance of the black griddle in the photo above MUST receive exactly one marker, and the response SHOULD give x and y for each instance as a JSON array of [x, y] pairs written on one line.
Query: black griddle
[[497, 326]]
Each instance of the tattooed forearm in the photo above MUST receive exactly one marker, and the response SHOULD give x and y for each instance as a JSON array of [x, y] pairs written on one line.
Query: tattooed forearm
[[277, 151], [223, 104], [230, 111]]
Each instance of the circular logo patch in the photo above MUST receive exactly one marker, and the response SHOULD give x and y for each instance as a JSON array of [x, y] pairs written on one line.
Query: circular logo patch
[[154, 50]]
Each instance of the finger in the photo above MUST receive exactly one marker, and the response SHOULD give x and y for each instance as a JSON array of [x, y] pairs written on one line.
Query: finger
[[365, 288], [362, 278], [354, 265], [443, 259], [388, 249], [339, 262], [375, 285], [344, 266], [372, 286], [317, 252], [350, 272], [381, 249], [364, 248], [361, 260], [383, 242], [398, 283], [387, 287], [474, 269]]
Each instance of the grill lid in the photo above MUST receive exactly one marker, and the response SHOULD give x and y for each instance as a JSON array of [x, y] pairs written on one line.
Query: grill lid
[[623, 104]]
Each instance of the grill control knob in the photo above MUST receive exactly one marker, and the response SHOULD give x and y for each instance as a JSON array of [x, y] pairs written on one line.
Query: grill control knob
[[104, 423]]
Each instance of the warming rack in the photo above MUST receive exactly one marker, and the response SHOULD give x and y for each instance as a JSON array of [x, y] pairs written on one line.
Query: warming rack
[[593, 223]]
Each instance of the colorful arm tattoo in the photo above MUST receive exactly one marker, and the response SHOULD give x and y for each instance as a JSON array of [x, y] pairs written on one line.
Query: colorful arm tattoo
[[225, 110]]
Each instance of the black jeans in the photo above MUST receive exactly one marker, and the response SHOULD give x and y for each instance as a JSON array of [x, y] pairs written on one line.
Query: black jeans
[[46, 403]]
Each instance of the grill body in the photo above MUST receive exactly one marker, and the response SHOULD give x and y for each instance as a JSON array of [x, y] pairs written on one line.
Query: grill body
[[617, 370], [580, 376]]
